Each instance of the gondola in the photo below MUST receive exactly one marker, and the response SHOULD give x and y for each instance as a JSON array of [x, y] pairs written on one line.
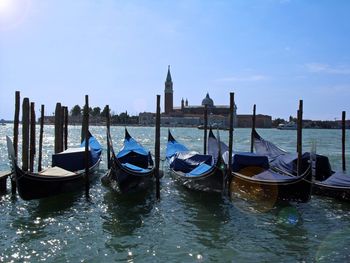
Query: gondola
[[66, 175], [132, 168], [203, 172], [325, 181], [251, 173]]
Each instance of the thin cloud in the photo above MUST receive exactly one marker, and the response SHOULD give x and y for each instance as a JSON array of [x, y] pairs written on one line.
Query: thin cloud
[[251, 78], [325, 68]]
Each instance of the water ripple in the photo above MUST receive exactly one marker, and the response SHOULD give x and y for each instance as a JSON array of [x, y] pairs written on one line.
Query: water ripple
[[185, 226]]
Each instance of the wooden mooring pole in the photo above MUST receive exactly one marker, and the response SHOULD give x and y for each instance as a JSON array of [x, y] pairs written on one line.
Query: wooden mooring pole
[[32, 137], [86, 135], [41, 133], [343, 139], [15, 135], [205, 128], [230, 140], [108, 122], [25, 134], [299, 136], [157, 148], [253, 129], [58, 128], [65, 128]]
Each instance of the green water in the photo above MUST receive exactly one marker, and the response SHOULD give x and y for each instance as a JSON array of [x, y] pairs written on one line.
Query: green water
[[184, 226]]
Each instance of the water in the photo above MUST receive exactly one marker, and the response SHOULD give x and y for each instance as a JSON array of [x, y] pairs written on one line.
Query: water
[[184, 226]]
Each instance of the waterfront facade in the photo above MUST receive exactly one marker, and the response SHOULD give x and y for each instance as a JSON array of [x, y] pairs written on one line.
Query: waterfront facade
[[193, 115]]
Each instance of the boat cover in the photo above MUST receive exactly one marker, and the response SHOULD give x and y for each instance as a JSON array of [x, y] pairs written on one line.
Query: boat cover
[[242, 160], [136, 168], [174, 147], [267, 148], [338, 179], [191, 163], [269, 175], [73, 159], [285, 161], [131, 145], [199, 170], [95, 148], [134, 153], [213, 146], [188, 161]]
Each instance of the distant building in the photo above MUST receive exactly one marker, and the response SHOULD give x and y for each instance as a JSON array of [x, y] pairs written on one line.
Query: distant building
[[261, 121], [193, 115], [168, 93]]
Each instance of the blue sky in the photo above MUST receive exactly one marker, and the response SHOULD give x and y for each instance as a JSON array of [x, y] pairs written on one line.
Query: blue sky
[[269, 52]]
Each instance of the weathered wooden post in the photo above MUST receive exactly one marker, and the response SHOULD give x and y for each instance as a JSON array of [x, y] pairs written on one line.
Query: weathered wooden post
[[299, 136], [83, 125], [157, 147], [86, 137], [58, 128], [25, 134], [230, 140], [15, 135], [65, 129], [253, 129], [205, 128], [32, 137], [108, 122], [41, 137], [343, 139]]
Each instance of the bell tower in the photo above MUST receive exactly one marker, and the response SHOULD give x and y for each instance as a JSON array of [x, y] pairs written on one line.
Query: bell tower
[[168, 93]]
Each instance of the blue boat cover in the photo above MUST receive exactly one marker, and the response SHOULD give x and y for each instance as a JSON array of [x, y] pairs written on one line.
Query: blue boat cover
[[338, 179], [131, 145], [136, 168], [174, 147], [95, 149], [199, 170], [134, 153], [73, 159], [187, 161], [191, 163]]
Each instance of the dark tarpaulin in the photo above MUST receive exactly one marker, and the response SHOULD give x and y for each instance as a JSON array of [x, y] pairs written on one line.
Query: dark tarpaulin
[[271, 176], [338, 179], [242, 160], [285, 161]]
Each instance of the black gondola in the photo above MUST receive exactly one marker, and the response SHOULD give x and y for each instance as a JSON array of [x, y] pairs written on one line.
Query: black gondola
[[203, 172], [132, 169], [325, 182], [252, 175], [66, 175]]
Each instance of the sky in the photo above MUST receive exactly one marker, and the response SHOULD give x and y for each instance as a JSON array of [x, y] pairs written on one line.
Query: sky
[[271, 53]]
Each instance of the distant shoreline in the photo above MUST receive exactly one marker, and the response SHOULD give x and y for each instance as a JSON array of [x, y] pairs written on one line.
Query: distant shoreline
[[174, 126]]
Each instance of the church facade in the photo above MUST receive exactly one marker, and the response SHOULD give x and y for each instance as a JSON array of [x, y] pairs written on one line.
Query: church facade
[[193, 115]]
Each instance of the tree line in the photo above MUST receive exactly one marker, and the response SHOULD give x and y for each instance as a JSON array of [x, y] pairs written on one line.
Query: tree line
[[97, 113]]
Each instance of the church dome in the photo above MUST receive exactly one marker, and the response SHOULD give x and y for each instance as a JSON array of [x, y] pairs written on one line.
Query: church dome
[[207, 101]]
